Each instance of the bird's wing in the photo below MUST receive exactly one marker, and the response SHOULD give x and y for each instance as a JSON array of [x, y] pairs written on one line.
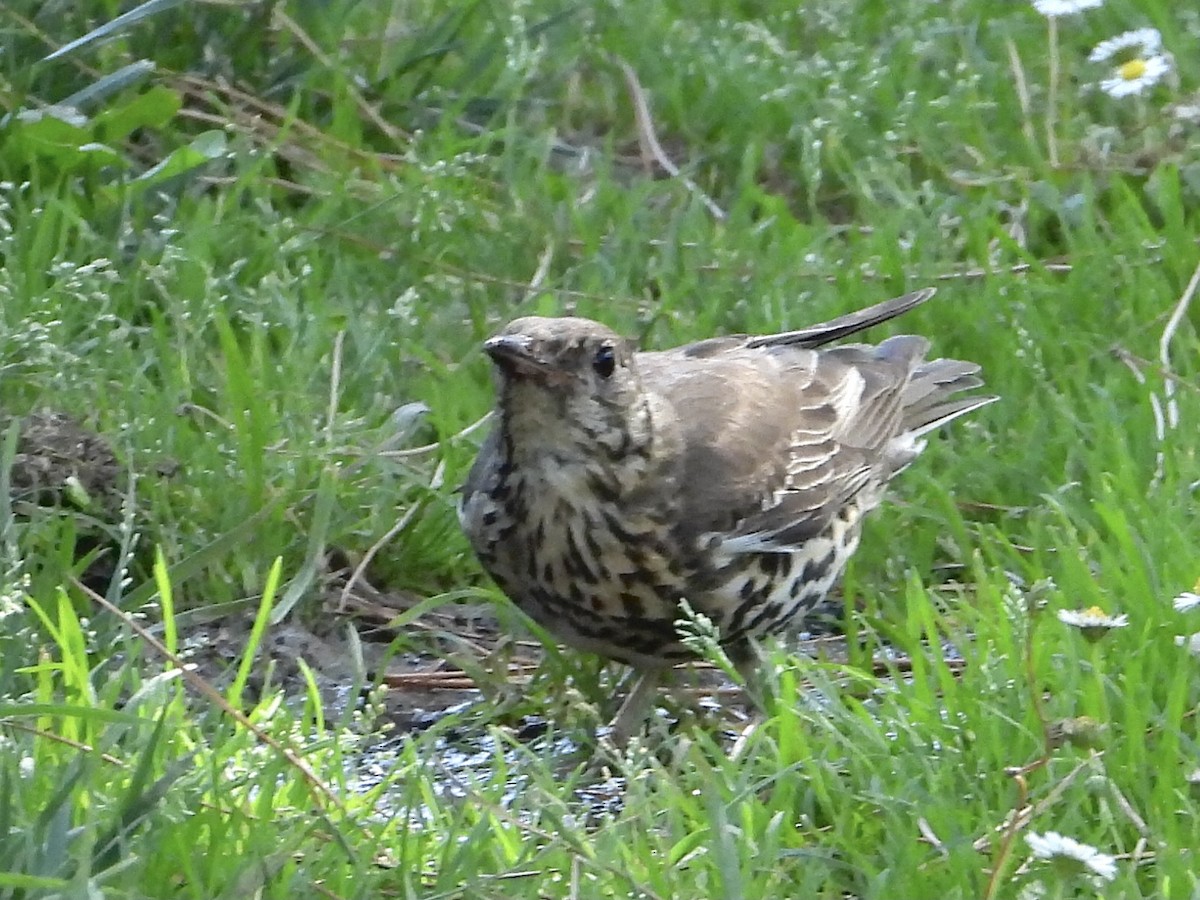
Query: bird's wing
[[482, 477], [778, 439]]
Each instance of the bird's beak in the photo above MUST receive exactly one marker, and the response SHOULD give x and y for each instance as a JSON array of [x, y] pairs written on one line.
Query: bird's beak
[[514, 354], [512, 351]]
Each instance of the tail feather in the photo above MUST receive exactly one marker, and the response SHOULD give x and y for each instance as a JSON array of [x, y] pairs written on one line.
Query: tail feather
[[931, 385], [921, 420], [904, 395], [929, 400]]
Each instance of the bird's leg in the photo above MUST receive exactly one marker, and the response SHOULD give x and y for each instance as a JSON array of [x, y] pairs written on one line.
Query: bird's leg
[[633, 712], [753, 667]]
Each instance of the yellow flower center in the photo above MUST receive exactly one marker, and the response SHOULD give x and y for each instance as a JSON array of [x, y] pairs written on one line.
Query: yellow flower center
[[1095, 612], [1132, 70]]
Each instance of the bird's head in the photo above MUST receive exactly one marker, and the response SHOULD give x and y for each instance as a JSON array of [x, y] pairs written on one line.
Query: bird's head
[[567, 381]]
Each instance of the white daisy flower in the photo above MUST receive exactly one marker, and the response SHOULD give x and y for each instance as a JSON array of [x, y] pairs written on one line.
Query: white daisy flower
[[1146, 41], [1191, 641], [1187, 601], [1064, 7], [1071, 857], [1136, 76], [1094, 622]]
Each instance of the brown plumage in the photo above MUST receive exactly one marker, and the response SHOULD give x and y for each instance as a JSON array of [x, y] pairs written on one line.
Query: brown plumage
[[733, 473]]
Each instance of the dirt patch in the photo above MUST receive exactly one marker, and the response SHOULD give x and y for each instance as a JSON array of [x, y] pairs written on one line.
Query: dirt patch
[[60, 467], [59, 462]]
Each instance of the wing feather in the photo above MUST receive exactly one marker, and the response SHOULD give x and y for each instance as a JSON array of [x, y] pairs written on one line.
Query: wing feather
[[779, 436], [764, 465]]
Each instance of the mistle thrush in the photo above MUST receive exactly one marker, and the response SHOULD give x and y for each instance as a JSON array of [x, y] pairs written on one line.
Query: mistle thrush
[[733, 472]]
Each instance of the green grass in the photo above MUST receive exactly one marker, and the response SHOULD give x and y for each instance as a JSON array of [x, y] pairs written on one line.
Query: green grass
[[238, 265]]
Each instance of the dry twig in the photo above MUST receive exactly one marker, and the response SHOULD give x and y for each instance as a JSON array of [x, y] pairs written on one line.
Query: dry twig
[[1169, 403], [648, 138]]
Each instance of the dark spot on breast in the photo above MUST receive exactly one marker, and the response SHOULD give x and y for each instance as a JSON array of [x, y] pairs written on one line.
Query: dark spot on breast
[[573, 564], [619, 531], [632, 604], [593, 545], [769, 563], [603, 488], [765, 617], [630, 579], [579, 564], [815, 569]]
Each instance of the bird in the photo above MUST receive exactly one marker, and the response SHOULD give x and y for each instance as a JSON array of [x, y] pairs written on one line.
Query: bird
[[732, 473]]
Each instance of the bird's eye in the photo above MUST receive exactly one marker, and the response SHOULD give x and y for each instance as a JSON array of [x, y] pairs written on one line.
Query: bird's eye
[[605, 361]]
